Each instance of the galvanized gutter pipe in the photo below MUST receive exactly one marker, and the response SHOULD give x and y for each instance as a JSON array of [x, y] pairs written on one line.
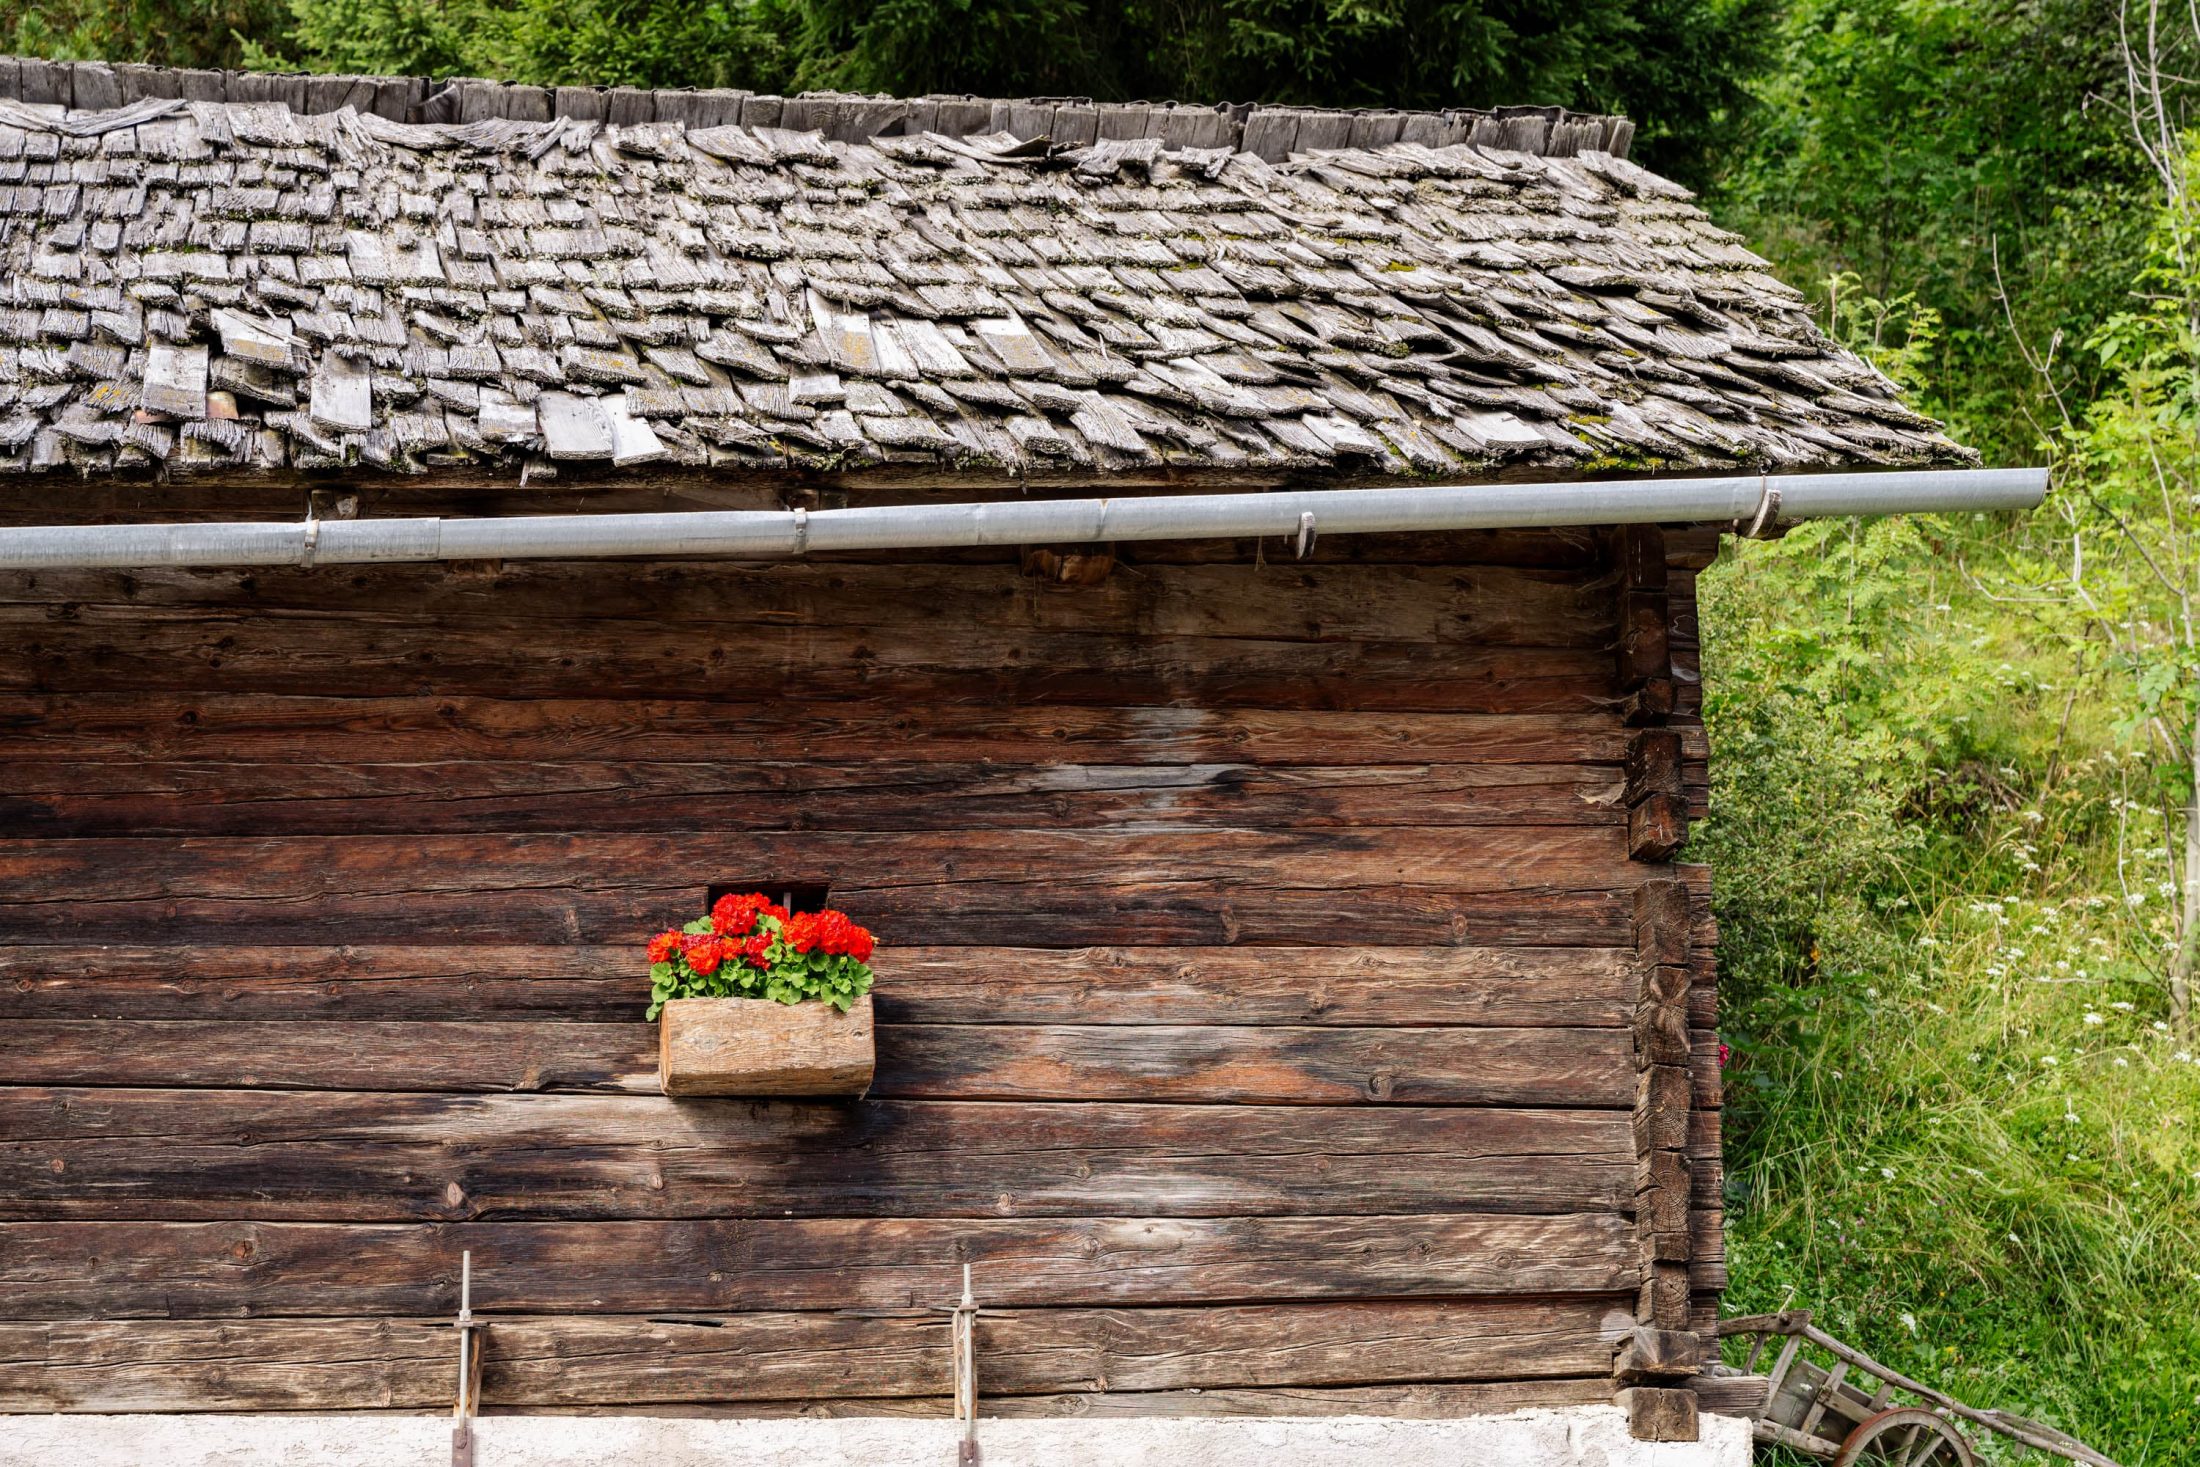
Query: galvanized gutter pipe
[[1752, 502]]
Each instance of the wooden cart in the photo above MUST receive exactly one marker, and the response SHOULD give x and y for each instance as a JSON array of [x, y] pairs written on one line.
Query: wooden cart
[[1833, 1401]]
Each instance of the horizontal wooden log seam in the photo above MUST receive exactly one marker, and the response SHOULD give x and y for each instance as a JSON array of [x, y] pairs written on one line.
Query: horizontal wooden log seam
[[1407, 1402]]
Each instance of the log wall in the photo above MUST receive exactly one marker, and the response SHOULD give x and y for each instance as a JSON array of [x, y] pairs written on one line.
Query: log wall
[[1261, 998]]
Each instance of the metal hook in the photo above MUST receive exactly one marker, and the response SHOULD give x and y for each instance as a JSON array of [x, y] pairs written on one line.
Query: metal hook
[[1306, 533], [1766, 525]]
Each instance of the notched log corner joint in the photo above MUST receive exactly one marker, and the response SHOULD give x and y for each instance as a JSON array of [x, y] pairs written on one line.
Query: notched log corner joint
[[1657, 805], [1663, 1350]]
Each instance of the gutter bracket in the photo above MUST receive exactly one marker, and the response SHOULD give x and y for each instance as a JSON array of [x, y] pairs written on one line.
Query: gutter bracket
[[1306, 534], [1765, 525]]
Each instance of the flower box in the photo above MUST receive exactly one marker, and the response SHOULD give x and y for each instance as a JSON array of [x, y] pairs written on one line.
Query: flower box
[[758, 1046], [755, 999]]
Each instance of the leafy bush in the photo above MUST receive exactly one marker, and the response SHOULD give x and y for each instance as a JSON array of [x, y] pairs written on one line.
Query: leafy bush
[[751, 947]]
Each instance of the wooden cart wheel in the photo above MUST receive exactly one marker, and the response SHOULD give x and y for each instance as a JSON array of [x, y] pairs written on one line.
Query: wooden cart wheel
[[1906, 1437]]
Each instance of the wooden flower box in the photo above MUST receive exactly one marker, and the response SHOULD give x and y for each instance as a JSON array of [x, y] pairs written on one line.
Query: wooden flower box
[[755, 1046]]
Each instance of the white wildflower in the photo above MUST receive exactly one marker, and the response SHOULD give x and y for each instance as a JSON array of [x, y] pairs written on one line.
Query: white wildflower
[[2093, 1018]]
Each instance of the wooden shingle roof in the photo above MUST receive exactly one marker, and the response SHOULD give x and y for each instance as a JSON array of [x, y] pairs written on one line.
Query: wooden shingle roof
[[249, 286]]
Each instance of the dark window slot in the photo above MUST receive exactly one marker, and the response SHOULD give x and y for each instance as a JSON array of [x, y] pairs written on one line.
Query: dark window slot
[[795, 896]]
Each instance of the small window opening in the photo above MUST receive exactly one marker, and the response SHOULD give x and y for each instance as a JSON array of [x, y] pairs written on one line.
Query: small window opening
[[795, 896]]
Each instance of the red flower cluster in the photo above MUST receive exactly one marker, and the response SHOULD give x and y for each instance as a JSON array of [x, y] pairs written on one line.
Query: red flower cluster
[[828, 932], [736, 916], [750, 946]]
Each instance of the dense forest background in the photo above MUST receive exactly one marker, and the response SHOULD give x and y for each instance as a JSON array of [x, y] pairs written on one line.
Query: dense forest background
[[1955, 821]]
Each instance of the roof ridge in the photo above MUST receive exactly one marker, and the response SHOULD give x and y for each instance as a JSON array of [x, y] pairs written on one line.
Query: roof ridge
[[1270, 132]]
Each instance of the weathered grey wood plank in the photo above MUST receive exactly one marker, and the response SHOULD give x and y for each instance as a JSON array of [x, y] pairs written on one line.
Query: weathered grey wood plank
[[104, 649], [140, 1365], [1455, 606], [1183, 1064], [1583, 987], [1415, 1402], [185, 1155], [1558, 884], [150, 724], [328, 798], [77, 1270]]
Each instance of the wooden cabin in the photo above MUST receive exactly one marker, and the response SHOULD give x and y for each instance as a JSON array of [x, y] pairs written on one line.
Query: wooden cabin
[[1291, 1002]]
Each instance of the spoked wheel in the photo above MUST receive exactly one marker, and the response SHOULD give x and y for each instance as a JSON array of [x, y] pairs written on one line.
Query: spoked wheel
[[1907, 1437]]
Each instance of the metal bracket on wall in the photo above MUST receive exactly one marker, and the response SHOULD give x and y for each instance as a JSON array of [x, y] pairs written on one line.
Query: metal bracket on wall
[[469, 1367], [965, 1324]]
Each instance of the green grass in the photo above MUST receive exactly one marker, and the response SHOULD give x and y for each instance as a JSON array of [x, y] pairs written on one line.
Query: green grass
[[1958, 1128]]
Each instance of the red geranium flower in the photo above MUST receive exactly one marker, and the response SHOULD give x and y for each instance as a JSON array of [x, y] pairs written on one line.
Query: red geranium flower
[[663, 946]]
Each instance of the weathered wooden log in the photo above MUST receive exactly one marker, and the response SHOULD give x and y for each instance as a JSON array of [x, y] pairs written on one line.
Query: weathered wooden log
[[1239, 1064], [1653, 764], [1055, 887], [453, 797], [76, 1270], [1412, 1402], [150, 724], [1660, 1413], [1663, 1099], [1657, 828], [237, 652], [304, 1156], [1456, 606], [1652, 1354], [1583, 987], [1663, 1299], [323, 1364]]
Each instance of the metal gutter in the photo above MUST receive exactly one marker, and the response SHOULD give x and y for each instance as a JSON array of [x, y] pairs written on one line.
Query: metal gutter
[[1752, 502]]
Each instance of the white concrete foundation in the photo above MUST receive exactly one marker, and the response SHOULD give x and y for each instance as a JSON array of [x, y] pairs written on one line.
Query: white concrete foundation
[[1577, 1436]]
